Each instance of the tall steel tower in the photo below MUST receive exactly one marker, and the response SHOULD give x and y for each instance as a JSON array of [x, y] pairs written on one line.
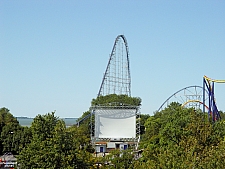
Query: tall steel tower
[[116, 79]]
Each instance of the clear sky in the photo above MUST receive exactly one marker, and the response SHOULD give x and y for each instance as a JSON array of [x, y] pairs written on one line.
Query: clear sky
[[53, 53]]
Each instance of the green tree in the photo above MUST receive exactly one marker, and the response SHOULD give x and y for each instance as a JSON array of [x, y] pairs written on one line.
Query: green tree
[[85, 124], [118, 159], [182, 138], [6, 118], [55, 146], [143, 117], [116, 100], [15, 137]]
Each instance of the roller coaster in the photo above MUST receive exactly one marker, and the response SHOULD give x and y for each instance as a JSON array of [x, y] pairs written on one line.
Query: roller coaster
[[197, 96], [119, 127], [208, 84], [186, 97], [117, 80]]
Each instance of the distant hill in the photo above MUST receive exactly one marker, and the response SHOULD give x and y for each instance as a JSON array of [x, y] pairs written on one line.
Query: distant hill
[[26, 121], [24, 118]]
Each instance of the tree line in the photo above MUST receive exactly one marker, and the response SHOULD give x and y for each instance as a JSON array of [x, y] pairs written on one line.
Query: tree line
[[175, 137], [48, 143]]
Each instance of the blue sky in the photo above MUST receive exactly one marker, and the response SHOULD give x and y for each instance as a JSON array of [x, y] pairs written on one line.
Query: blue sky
[[53, 53]]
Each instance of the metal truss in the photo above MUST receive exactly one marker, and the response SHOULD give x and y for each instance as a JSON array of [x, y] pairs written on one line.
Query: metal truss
[[116, 79], [213, 113], [109, 111], [190, 96]]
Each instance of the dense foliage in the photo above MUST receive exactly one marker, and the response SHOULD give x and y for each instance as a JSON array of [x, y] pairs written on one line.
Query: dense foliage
[[175, 137], [55, 146], [114, 99], [182, 138], [118, 159], [13, 137]]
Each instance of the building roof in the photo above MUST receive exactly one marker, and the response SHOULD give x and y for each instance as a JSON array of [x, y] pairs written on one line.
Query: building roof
[[8, 157]]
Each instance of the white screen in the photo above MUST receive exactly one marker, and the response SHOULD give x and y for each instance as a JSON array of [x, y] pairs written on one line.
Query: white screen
[[115, 123]]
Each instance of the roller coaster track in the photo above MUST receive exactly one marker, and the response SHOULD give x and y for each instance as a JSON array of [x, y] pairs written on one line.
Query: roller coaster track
[[116, 79], [213, 80], [183, 89], [208, 83], [189, 101]]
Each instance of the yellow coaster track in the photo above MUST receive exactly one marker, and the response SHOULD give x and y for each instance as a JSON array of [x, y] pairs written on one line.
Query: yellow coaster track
[[213, 80]]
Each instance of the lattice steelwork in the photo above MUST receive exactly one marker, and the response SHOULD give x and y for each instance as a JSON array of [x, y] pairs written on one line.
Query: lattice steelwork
[[116, 79], [191, 96], [208, 84], [120, 123]]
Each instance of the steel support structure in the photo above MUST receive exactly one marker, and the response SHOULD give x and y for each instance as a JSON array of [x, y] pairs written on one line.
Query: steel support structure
[[106, 111], [183, 96], [117, 79], [213, 113]]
